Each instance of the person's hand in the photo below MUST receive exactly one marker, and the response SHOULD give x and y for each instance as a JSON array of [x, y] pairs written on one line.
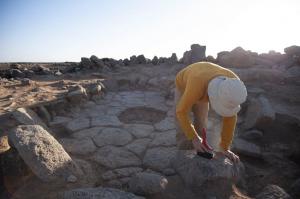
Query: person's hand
[[230, 155], [198, 146]]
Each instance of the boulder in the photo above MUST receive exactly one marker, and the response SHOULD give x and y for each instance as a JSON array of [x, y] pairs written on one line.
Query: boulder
[[260, 114], [292, 51], [197, 53], [246, 148], [97, 62], [273, 192], [186, 57], [252, 135], [155, 60], [238, 57], [147, 183], [173, 59], [159, 158], [41, 70], [43, 154], [133, 59], [16, 73], [126, 62], [259, 74], [141, 59], [207, 178], [210, 58], [77, 94], [86, 63], [99, 192], [26, 116]]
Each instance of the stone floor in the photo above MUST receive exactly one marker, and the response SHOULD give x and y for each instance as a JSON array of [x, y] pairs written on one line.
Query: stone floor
[[97, 134]]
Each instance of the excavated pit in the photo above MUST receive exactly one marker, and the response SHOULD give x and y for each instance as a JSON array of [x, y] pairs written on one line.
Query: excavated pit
[[142, 115]]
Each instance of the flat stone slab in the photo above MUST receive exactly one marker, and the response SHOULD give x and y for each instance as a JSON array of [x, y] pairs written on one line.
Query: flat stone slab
[[138, 146], [78, 124], [167, 138], [43, 154], [106, 120], [139, 130], [116, 157], [95, 193], [90, 132], [112, 136], [159, 158], [83, 146]]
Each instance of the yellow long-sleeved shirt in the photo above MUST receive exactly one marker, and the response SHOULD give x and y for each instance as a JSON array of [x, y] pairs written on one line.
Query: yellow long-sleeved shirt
[[192, 82]]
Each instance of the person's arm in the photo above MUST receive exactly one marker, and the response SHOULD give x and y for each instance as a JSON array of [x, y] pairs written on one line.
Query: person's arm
[[228, 128], [200, 111], [191, 95]]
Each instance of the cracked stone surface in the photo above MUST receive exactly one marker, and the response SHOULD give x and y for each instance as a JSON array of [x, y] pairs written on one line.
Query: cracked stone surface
[[112, 136]]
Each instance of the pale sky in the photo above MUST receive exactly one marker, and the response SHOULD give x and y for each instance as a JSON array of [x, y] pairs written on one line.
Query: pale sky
[[66, 30]]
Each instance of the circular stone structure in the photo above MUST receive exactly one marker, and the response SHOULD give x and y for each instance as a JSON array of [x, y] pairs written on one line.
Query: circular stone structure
[[142, 115]]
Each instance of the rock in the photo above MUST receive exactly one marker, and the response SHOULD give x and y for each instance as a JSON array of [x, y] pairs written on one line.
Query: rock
[[83, 146], [295, 189], [139, 130], [112, 136], [273, 192], [116, 157], [159, 158], [95, 88], [77, 95], [210, 58], [97, 62], [90, 132], [186, 59], [78, 124], [4, 146], [197, 53], [147, 183], [43, 154], [162, 60], [106, 120], [173, 59], [57, 73], [16, 73], [292, 50], [86, 63], [59, 121], [126, 62], [72, 179], [138, 146], [141, 59], [252, 135], [259, 75], [215, 176], [121, 173], [29, 73], [44, 114], [41, 70], [88, 171], [164, 139], [99, 192], [28, 117], [155, 60], [166, 124], [238, 57], [246, 148], [292, 75], [26, 82], [259, 114], [132, 60]]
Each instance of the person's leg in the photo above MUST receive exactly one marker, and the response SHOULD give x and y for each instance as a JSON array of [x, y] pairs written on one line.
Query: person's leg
[[182, 142]]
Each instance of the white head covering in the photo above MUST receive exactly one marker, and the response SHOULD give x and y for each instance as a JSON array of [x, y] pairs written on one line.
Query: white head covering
[[226, 94]]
